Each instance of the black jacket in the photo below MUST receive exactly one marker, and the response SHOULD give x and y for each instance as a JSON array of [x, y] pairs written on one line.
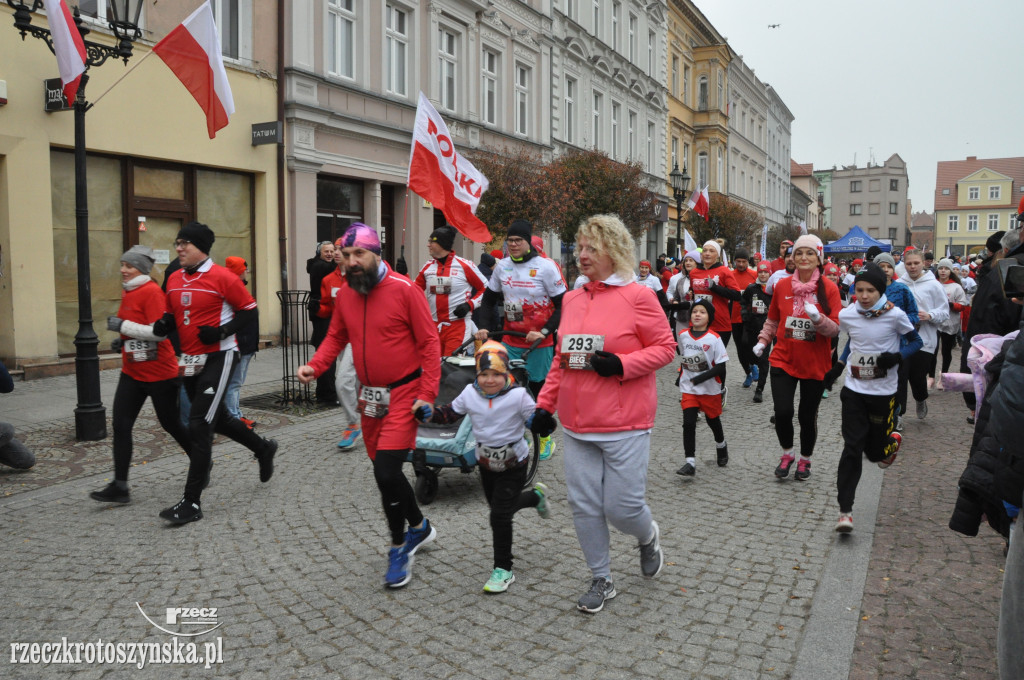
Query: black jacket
[[752, 323], [990, 311], [317, 269]]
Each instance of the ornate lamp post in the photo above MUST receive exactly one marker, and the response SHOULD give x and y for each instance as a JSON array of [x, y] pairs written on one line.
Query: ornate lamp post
[[90, 415], [680, 180]]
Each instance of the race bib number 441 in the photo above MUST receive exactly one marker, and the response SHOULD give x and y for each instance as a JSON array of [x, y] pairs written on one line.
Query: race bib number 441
[[576, 350], [864, 367], [800, 328]]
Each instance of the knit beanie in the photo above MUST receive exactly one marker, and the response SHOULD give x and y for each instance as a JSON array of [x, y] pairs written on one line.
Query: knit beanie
[[521, 229], [831, 269], [814, 243], [886, 258], [140, 257], [871, 273], [492, 355], [444, 236], [713, 244], [236, 265], [199, 234], [645, 263], [764, 266], [741, 254], [693, 255], [993, 244], [708, 305], [947, 263], [359, 235]]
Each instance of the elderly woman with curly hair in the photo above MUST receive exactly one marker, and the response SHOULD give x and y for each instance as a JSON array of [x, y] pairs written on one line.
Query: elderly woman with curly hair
[[613, 336]]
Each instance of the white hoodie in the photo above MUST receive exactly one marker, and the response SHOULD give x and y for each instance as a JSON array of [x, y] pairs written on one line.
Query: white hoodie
[[931, 298]]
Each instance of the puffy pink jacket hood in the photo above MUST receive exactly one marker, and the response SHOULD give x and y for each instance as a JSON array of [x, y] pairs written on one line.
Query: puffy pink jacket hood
[[636, 330]]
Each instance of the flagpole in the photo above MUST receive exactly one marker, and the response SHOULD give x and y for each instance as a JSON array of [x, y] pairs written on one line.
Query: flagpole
[[123, 76]]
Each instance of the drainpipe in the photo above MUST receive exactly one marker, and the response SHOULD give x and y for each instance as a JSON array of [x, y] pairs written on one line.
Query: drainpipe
[[282, 232]]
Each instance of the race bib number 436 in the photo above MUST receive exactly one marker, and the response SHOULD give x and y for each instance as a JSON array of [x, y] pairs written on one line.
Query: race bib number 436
[[576, 350], [800, 328]]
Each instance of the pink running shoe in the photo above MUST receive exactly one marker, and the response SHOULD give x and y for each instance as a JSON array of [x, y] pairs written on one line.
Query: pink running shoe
[[784, 464], [803, 470]]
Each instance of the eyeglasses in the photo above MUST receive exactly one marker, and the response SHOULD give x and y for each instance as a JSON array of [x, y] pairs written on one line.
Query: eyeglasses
[[514, 241], [181, 243]]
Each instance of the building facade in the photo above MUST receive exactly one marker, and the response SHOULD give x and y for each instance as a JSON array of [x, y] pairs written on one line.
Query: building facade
[[873, 198], [151, 168], [779, 139], [748, 122], [803, 179], [974, 198], [824, 178], [922, 231]]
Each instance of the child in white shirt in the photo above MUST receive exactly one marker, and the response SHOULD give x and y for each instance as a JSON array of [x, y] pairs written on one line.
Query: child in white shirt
[[498, 409], [875, 326], [703, 356]]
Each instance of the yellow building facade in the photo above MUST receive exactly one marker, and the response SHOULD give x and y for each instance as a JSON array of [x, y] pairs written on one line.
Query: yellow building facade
[[151, 168], [974, 199]]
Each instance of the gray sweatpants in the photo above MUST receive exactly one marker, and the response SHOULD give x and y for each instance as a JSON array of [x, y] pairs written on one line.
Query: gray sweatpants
[[606, 483], [346, 384], [1011, 608], [12, 451]]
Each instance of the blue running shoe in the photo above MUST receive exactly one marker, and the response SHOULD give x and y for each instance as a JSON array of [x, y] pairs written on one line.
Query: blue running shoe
[[349, 438], [749, 380], [399, 568], [416, 538], [756, 371]]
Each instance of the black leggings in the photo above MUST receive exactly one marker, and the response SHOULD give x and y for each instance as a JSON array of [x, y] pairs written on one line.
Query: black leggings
[[947, 341], [746, 356], [868, 422], [784, 395], [128, 400], [506, 496], [396, 494], [690, 430]]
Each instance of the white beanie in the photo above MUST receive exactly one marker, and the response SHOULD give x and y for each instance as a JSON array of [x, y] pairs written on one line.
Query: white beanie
[[713, 244], [813, 242]]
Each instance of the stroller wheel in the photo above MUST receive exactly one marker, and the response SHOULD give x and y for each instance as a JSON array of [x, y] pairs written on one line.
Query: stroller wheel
[[426, 487]]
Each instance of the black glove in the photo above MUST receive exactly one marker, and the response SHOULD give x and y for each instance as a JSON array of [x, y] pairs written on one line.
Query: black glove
[[462, 310], [888, 359], [718, 289], [164, 325], [834, 373], [423, 413], [210, 334], [606, 364], [541, 423], [114, 324], [116, 344]]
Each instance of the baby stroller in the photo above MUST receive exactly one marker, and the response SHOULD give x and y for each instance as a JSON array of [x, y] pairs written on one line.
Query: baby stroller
[[453, 445]]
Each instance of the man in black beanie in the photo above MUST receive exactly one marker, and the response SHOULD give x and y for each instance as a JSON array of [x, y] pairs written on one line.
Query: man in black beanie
[[208, 303], [530, 289], [453, 286]]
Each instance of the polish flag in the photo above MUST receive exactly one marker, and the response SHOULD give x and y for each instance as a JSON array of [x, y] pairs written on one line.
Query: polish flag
[[700, 203], [67, 45], [192, 51], [438, 173]]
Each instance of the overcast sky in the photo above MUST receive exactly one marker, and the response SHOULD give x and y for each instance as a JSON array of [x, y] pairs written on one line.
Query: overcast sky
[[931, 81]]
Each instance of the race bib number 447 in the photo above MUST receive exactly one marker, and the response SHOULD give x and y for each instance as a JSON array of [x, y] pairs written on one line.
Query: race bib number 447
[[576, 350], [864, 367]]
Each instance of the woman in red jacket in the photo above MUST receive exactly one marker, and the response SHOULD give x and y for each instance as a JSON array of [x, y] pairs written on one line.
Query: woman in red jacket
[[806, 305], [148, 369], [613, 337]]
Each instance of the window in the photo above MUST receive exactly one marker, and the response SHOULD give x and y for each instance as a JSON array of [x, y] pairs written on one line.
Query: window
[[631, 135], [685, 161], [953, 223], [994, 192], [341, 20], [570, 110], [675, 76], [616, 19], [396, 48], [522, 98], [597, 18], [721, 97], [616, 113], [894, 185], [225, 15], [675, 152], [993, 221], [875, 185], [721, 170], [598, 106], [945, 192], [572, 10], [892, 233], [650, 147], [490, 90], [702, 94], [686, 85], [633, 27], [973, 193], [855, 209], [743, 123], [702, 169], [652, 42], [447, 58], [972, 223], [854, 186], [894, 208], [743, 183]]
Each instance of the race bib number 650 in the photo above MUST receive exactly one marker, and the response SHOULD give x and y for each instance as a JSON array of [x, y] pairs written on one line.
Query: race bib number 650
[[374, 401]]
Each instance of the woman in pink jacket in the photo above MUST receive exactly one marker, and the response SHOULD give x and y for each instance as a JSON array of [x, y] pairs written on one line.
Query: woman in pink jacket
[[613, 336]]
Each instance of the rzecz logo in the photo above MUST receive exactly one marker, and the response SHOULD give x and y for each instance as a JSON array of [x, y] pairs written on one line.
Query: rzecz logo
[[184, 619]]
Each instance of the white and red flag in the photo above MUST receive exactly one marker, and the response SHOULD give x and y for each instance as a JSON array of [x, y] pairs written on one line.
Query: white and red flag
[[67, 45], [438, 173], [700, 203], [192, 51]]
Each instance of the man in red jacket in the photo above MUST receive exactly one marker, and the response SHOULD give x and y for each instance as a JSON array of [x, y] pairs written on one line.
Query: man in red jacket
[[780, 262], [396, 353]]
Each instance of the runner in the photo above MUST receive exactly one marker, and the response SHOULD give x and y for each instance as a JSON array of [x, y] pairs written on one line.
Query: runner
[[209, 304], [530, 289], [148, 369], [949, 329], [745, 276], [618, 329], [319, 267], [875, 327], [646, 278], [933, 309], [755, 304], [680, 295], [395, 350], [454, 287], [703, 357], [807, 307], [346, 384], [779, 263], [787, 270]]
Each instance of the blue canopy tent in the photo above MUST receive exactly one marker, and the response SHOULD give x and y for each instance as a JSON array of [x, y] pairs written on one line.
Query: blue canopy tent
[[856, 241]]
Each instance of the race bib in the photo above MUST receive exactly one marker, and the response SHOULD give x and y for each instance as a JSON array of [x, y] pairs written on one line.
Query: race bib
[[864, 367], [138, 351], [800, 328], [191, 364], [440, 285], [577, 349], [695, 363], [703, 296], [758, 306], [496, 458], [334, 291], [374, 401], [513, 311]]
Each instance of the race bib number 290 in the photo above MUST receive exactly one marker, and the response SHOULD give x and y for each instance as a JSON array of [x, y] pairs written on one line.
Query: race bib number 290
[[575, 350]]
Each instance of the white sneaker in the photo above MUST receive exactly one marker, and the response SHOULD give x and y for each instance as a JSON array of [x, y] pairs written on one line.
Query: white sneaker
[[845, 523]]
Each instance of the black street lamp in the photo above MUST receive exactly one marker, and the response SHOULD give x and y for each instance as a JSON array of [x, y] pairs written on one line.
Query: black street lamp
[[90, 416], [680, 180]]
